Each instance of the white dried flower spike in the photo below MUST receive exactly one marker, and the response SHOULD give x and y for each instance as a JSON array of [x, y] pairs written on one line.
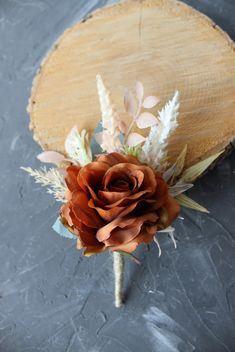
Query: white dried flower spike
[[109, 138], [77, 146], [155, 146]]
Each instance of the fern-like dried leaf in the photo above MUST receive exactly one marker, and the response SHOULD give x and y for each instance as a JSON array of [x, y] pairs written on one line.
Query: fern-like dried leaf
[[51, 178]]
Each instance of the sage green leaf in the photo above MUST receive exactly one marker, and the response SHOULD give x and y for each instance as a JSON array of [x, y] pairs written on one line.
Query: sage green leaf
[[130, 256], [187, 202], [179, 164], [190, 174]]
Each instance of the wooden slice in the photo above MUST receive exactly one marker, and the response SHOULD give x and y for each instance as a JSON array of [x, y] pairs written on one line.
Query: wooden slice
[[163, 43]]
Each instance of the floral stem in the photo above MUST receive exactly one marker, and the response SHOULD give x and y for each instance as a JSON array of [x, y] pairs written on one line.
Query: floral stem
[[133, 122], [118, 268]]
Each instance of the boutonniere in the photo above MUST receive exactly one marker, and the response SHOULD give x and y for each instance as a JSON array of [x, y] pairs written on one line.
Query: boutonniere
[[118, 188]]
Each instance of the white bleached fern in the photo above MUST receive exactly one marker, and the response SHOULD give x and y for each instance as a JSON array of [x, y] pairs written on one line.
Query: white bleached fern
[[51, 178], [155, 146], [109, 138]]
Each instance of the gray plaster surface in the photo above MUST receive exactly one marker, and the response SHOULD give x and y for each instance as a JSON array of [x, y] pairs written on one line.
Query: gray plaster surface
[[54, 299]]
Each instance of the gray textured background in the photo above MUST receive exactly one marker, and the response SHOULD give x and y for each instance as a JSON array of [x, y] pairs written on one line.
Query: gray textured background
[[52, 298]]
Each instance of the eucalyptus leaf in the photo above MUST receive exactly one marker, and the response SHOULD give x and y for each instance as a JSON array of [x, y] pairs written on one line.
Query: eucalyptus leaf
[[187, 202], [192, 173], [62, 230]]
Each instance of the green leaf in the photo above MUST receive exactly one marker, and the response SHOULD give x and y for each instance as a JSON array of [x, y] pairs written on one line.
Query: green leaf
[[187, 202], [190, 174], [132, 150], [130, 256], [179, 164]]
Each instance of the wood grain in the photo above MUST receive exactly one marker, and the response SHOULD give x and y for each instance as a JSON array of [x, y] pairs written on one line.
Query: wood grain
[[163, 43]]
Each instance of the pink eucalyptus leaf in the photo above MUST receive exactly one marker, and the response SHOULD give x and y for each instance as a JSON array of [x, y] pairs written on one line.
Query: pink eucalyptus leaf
[[146, 119], [139, 89], [50, 157], [150, 102], [134, 139], [129, 103]]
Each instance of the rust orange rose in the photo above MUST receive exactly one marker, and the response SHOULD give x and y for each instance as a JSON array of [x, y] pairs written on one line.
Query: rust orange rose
[[116, 203]]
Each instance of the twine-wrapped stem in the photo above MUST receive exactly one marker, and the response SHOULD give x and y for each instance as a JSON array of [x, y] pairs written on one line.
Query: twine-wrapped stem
[[118, 268]]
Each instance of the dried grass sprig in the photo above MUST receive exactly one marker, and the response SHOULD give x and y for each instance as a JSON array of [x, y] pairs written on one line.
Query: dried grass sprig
[[155, 146], [51, 178]]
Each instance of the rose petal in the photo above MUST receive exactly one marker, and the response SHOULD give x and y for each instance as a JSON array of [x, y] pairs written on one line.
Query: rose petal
[[115, 158], [83, 212], [124, 234], [71, 178], [112, 197], [91, 250], [112, 213], [137, 177], [144, 237], [127, 247], [65, 213], [104, 232], [91, 175]]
